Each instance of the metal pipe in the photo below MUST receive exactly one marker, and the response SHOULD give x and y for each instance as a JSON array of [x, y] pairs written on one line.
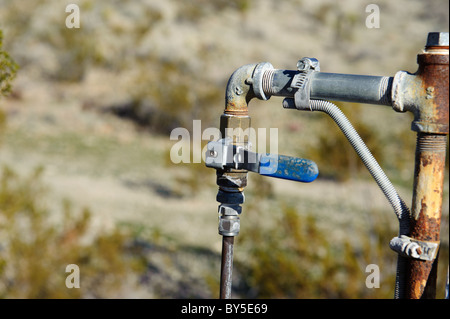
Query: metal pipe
[[234, 123], [426, 211], [226, 269], [351, 88], [238, 92], [426, 94], [332, 86]]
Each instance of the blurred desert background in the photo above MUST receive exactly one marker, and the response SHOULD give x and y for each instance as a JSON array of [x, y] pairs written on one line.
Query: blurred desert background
[[85, 171]]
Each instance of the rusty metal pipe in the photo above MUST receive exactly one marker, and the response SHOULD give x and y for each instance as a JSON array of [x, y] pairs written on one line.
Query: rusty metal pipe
[[426, 211], [426, 95]]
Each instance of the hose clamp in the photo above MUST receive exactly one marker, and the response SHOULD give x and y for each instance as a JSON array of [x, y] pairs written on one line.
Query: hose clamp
[[301, 81], [413, 248]]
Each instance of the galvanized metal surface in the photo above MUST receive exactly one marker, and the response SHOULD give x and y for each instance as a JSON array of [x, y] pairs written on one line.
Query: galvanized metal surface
[[226, 270], [229, 225], [302, 81], [261, 75], [279, 82], [333, 86], [351, 88]]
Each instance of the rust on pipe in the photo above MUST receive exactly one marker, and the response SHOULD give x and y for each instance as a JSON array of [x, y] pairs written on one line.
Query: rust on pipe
[[239, 93], [234, 123], [430, 106], [432, 114], [426, 211]]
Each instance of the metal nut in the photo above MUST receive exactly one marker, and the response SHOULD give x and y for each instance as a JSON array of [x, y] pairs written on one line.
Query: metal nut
[[437, 39], [230, 210], [229, 225]]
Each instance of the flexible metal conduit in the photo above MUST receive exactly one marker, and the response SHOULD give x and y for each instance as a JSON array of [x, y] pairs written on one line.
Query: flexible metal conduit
[[399, 206]]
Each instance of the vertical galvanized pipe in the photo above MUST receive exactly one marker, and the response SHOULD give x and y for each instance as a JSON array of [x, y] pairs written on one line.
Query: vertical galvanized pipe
[[431, 125], [226, 271]]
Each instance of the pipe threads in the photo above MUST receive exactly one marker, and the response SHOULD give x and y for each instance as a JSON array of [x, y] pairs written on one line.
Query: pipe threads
[[385, 90], [267, 80], [431, 142]]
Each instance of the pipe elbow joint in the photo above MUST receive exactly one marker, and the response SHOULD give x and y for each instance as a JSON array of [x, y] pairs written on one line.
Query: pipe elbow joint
[[245, 84]]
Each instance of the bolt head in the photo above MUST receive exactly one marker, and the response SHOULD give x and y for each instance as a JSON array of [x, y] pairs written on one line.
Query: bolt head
[[306, 64], [212, 153], [437, 39]]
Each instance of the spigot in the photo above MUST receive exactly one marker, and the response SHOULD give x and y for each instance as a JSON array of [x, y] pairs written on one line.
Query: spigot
[[232, 158], [232, 162]]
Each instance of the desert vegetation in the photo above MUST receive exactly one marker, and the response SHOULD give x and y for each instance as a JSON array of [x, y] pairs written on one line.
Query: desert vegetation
[[85, 172]]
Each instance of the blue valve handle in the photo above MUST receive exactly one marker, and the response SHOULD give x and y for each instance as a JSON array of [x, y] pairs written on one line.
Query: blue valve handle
[[223, 155], [288, 167]]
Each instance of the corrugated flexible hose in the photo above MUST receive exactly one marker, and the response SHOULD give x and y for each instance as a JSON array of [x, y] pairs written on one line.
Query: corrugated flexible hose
[[399, 206]]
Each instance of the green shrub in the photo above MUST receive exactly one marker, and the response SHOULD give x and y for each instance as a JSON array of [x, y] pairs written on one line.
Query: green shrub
[[2, 124], [8, 69]]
